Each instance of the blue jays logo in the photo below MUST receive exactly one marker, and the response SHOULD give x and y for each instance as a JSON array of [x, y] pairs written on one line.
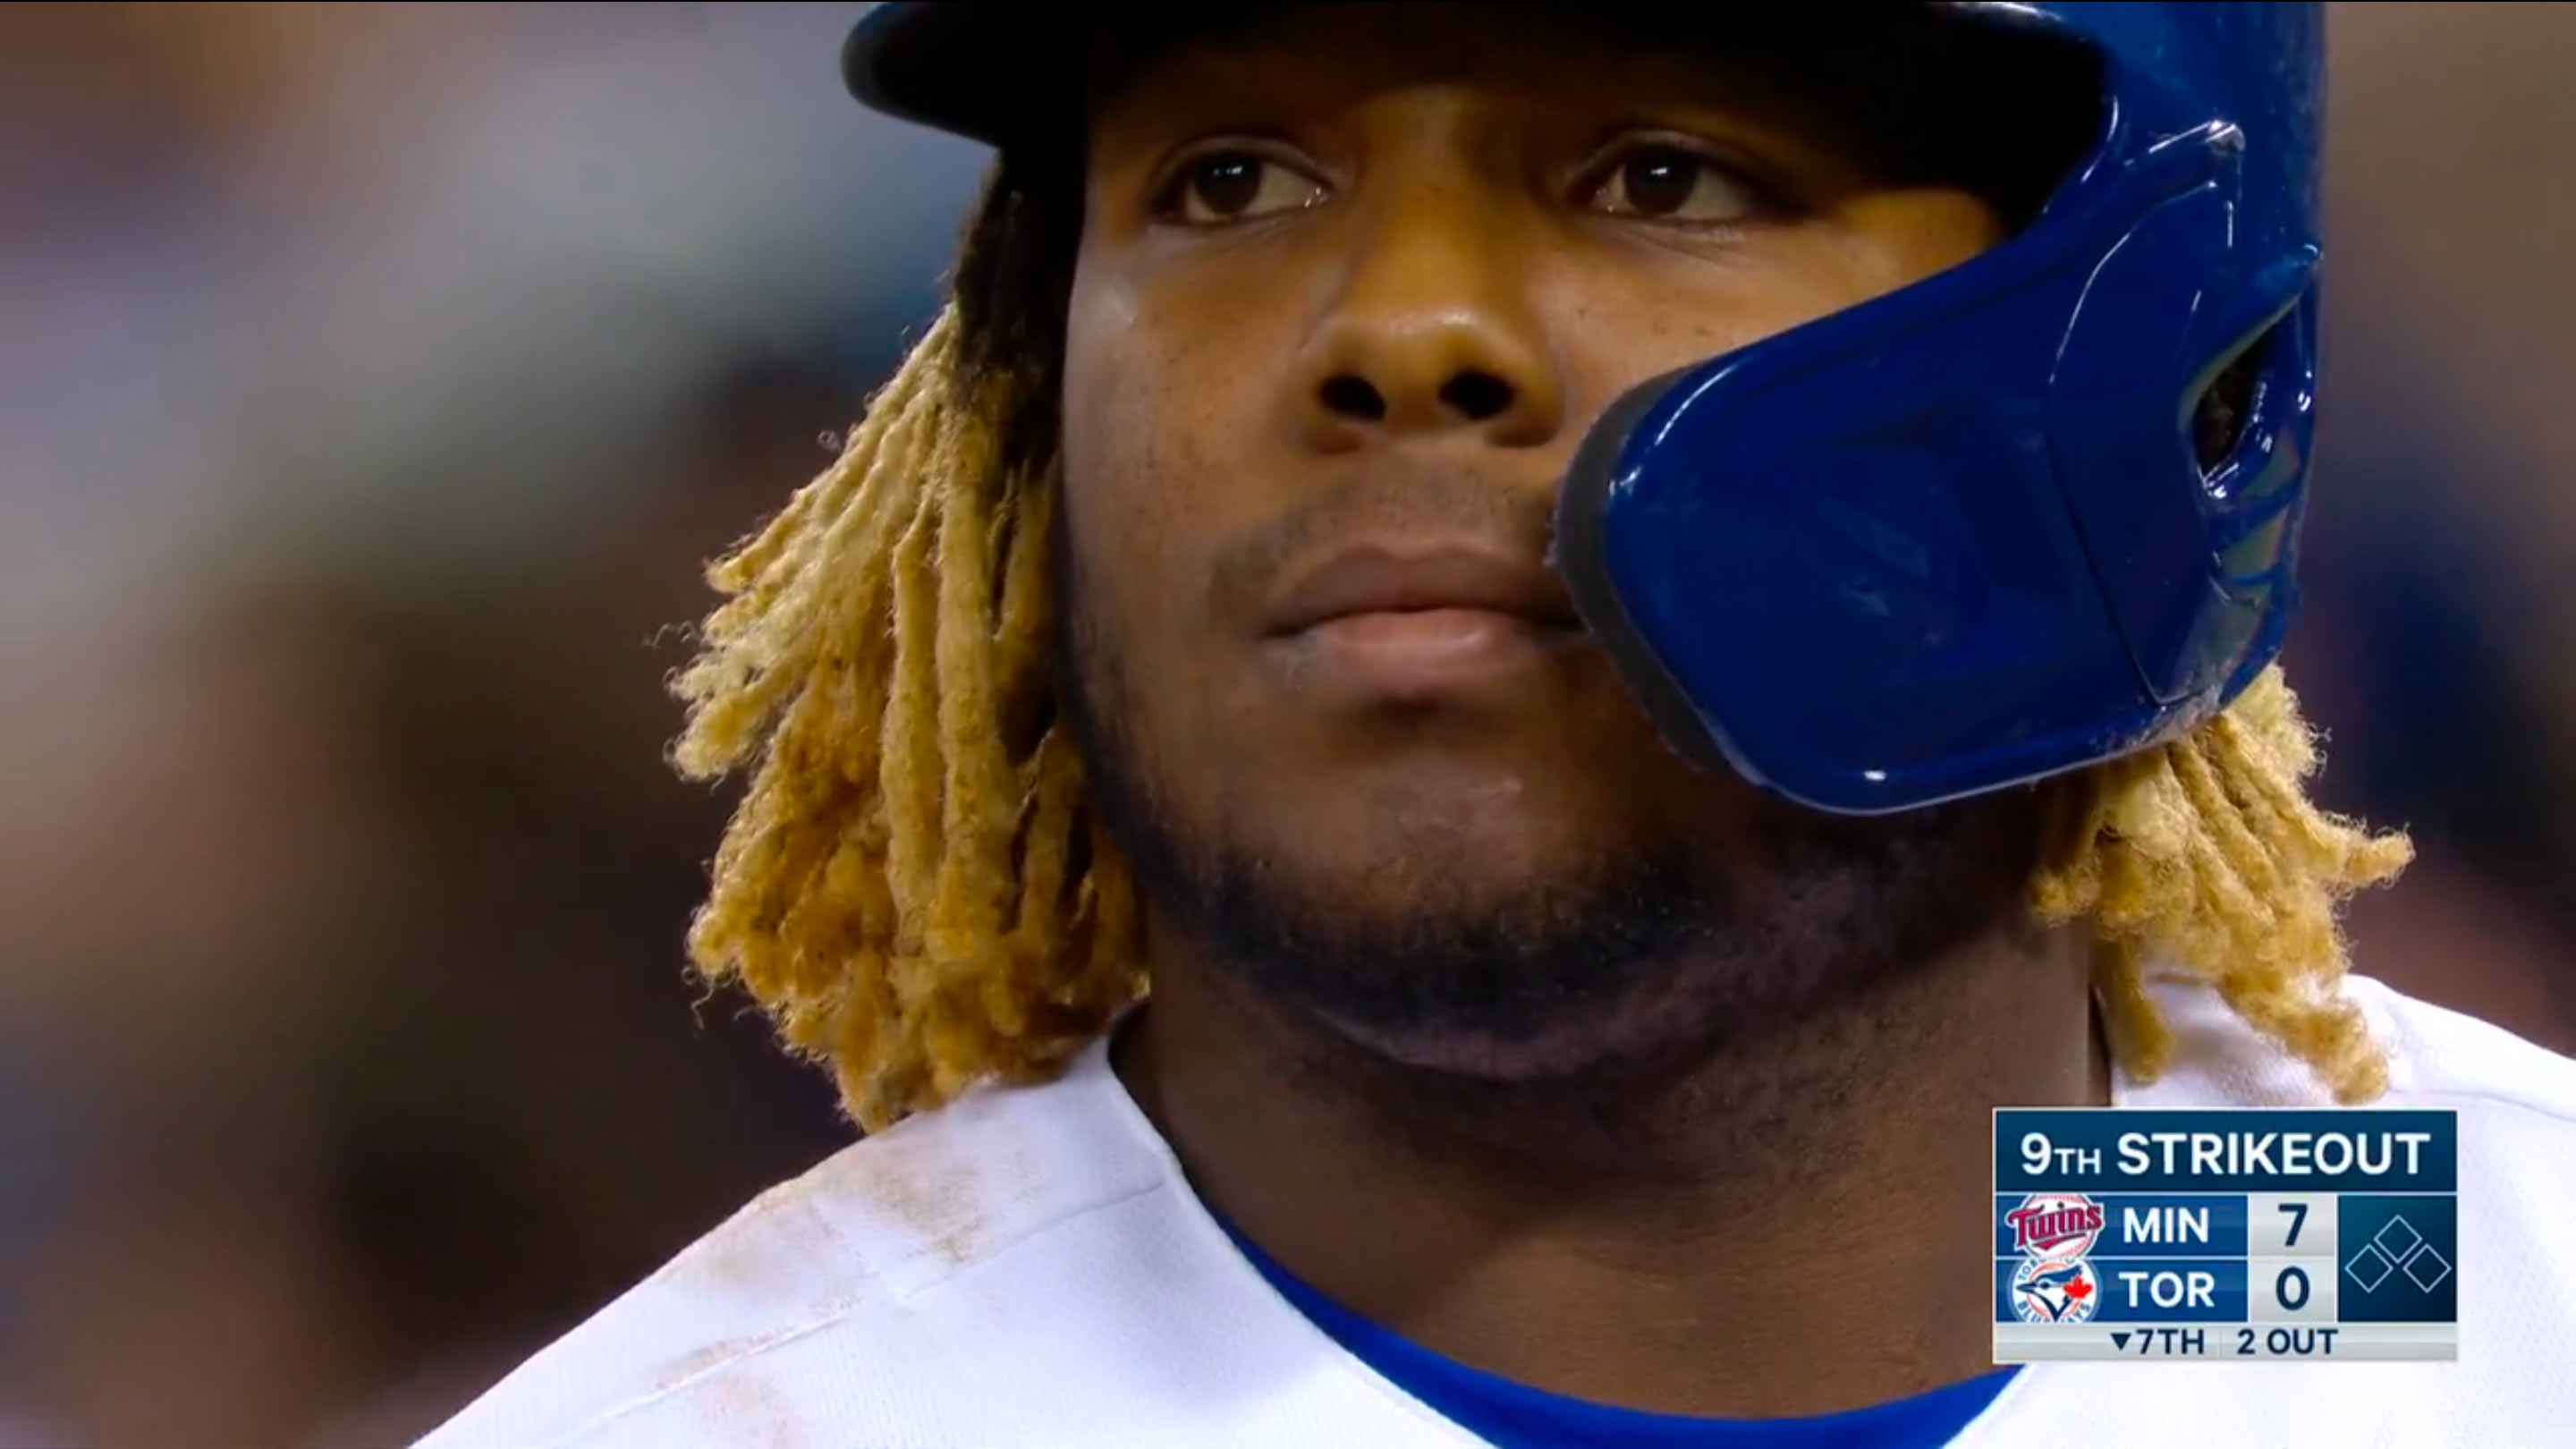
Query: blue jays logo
[[2056, 1290]]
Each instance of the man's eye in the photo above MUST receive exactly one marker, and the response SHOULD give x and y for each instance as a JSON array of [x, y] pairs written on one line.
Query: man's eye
[[1236, 186], [1667, 183]]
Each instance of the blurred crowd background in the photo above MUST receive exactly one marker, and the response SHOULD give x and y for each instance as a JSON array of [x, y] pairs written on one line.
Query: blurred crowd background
[[374, 380]]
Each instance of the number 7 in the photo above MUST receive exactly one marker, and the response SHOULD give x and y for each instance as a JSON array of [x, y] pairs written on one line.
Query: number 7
[[2298, 1212]]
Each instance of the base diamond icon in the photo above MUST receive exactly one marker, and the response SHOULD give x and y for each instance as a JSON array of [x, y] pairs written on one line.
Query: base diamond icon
[[2428, 1268], [2369, 1268], [2397, 1239]]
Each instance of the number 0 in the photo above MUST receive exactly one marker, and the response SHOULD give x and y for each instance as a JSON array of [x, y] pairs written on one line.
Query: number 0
[[2281, 1287], [2298, 1212]]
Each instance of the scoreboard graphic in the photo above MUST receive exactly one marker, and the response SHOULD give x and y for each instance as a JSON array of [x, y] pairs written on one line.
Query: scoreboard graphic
[[2226, 1234]]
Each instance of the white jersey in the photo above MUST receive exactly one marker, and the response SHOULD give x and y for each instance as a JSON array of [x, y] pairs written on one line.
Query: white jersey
[[1026, 1269]]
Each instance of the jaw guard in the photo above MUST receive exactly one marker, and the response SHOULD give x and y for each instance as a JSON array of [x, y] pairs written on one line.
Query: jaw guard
[[1961, 538]]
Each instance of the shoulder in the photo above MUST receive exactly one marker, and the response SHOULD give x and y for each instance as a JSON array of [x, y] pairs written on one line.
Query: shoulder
[[2517, 1257], [2517, 1114], [2516, 1099], [2517, 1106], [2439, 1057], [824, 1300], [2436, 1058]]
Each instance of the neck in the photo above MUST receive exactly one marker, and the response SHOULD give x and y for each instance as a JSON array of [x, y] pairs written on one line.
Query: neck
[[1652, 1243]]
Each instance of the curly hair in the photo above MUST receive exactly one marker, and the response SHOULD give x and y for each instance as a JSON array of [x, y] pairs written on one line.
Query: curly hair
[[917, 891]]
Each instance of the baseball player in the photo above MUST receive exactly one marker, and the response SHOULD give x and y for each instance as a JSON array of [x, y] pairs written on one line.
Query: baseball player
[[1499, 670]]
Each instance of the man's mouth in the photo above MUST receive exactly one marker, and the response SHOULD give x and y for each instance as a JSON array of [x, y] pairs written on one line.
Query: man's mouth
[[1415, 622], [1379, 579]]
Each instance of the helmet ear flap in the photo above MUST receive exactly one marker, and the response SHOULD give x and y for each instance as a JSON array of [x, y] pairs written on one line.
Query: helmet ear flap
[[2170, 497], [2030, 514]]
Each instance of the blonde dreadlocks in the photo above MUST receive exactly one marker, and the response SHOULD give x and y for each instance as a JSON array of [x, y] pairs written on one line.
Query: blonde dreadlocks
[[916, 890]]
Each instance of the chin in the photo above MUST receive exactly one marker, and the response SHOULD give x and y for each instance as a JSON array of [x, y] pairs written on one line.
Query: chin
[[1468, 826], [1474, 1056], [1644, 1027]]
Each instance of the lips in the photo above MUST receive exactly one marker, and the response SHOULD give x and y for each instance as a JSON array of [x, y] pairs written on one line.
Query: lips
[[1386, 580]]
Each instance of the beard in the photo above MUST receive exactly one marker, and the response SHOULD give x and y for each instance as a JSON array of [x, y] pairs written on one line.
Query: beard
[[1631, 959]]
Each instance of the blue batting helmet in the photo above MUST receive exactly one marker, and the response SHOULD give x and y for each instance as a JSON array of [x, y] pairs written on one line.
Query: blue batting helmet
[[2030, 514]]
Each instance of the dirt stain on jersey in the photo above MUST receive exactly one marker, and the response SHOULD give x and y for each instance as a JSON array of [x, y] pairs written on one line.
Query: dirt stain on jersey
[[936, 1192], [745, 1408], [728, 1353]]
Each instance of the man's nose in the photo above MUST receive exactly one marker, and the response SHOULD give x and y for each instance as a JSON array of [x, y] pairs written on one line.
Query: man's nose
[[1431, 328]]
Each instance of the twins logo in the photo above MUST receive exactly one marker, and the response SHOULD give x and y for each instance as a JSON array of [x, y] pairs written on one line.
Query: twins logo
[[2055, 1225], [2052, 1231]]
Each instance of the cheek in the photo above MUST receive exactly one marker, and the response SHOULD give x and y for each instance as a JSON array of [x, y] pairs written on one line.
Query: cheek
[[1155, 458], [1100, 392], [1170, 407], [1117, 505], [1636, 322], [1892, 239], [1630, 325]]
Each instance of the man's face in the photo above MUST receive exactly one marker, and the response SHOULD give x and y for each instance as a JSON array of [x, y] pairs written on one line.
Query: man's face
[[1350, 290]]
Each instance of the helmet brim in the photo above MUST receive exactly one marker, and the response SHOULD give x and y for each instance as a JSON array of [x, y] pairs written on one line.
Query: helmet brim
[[990, 72]]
